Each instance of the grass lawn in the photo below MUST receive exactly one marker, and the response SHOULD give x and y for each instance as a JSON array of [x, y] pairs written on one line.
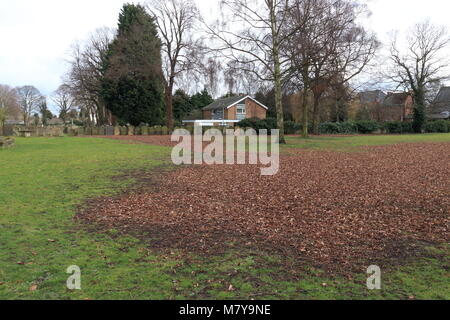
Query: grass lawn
[[43, 180]]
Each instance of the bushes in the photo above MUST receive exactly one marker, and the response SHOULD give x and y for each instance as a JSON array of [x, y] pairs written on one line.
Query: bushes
[[338, 128], [291, 127], [398, 127], [366, 127], [349, 127], [440, 126], [330, 128], [258, 124]]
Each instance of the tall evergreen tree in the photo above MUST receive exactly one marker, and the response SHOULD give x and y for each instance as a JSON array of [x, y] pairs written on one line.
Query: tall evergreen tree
[[182, 105], [201, 99], [133, 87]]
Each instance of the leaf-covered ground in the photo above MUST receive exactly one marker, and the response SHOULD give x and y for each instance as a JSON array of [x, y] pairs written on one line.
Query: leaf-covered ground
[[44, 180], [338, 211]]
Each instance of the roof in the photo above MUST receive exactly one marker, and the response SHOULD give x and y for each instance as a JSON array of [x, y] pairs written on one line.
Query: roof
[[227, 103], [443, 96], [440, 107], [376, 96], [395, 99]]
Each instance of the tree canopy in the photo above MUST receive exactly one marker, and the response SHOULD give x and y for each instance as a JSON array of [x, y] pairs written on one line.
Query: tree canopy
[[133, 85]]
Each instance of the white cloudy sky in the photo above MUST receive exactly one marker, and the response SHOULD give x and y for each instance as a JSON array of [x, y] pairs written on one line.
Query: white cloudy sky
[[36, 35]]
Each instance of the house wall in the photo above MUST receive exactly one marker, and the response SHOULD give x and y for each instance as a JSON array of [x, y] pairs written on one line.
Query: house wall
[[207, 115], [409, 106], [230, 114], [254, 110]]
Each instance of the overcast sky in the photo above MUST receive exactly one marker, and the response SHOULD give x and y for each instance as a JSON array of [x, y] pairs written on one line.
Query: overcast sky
[[36, 35]]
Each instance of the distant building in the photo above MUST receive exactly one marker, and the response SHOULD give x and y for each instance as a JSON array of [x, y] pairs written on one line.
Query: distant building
[[398, 107], [440, 107], [229, 111], [371, 97], [393, 106]]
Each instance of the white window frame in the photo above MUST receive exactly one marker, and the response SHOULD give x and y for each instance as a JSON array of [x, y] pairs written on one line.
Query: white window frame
[[241, 115]]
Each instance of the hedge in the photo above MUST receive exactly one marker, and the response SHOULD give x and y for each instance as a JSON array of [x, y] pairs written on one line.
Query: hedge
[[439, 126], [349, 127], [398, 127]]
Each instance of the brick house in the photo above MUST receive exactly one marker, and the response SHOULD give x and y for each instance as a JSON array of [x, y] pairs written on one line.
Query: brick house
[[397, 107], [393, 106], [440, 107], [229, 111]]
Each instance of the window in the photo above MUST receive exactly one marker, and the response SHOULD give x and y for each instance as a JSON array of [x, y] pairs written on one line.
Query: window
[[241, 112], [217, 115]]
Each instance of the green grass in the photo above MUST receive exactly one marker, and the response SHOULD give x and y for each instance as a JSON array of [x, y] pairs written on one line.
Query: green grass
[[43, 180], [351, 143]]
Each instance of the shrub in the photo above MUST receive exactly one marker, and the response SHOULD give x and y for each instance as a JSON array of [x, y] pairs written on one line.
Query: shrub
[[348, 127], [366, 127], [329, 128], [291, 127], [258, 124], [440, 126], [338, 128], [398, 127]]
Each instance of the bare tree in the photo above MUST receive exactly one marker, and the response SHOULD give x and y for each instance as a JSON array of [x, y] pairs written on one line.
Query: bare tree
[[29, 100], [86, 74], [212, 72], [250, 33], [331, 50], [63, 99], [175, 20], [9, 103], [238, 80], [421, 65]]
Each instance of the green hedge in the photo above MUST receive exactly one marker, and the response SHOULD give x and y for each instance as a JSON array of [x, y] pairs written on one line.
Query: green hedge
[[364, 127], [349, 127], [258, 124], [439, 126], [398, 127], [291, 127], [367, 127]]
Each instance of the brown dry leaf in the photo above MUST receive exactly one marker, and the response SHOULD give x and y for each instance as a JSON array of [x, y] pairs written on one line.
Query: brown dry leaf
[[337, 209]]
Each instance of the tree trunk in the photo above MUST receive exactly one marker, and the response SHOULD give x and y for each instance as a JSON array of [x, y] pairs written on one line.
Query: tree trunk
[[169, 106], [316, 115], [420, 116], [305, 114], [277, 77]]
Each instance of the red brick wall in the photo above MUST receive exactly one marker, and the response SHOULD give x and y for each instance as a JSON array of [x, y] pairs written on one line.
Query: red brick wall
[[254, 110], [207, 115]]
